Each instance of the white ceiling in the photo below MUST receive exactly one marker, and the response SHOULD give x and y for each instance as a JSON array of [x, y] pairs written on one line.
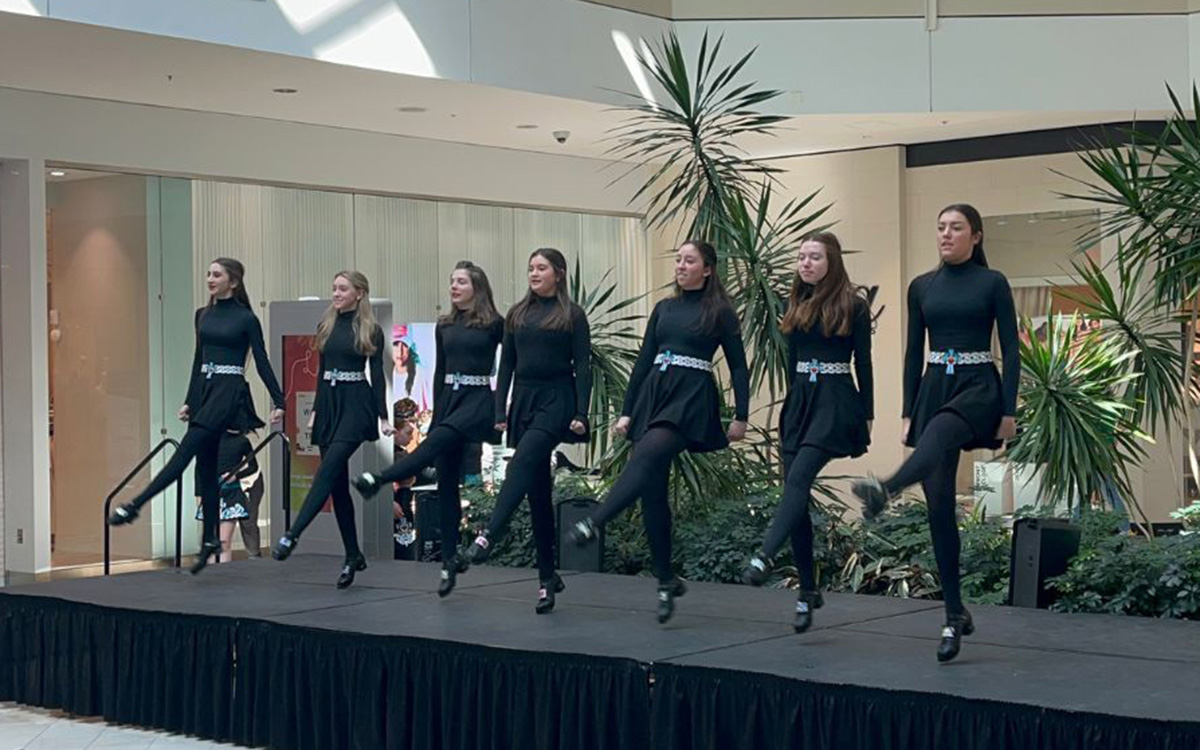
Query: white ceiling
[[80, 60]]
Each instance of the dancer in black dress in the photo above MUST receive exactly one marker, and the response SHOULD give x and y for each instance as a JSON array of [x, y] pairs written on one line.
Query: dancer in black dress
[[348, 411], [547, 360], [218, 398], [960, 403], [672, 404], [825, 416], [463, 405]]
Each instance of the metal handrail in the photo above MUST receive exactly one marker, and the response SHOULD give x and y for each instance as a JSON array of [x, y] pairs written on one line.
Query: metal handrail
[[125, 482], [287, 470]]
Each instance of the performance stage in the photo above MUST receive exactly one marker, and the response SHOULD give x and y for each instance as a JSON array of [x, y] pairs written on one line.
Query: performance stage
[[269, 654]]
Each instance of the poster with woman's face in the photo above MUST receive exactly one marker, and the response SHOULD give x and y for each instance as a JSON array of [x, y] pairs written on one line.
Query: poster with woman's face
[[414, 358]]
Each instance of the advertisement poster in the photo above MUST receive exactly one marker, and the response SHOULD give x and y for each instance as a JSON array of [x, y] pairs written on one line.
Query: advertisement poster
[[300, 365], [414, 360]]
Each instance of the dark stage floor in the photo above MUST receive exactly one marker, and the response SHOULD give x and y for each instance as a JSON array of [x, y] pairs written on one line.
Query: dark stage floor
[[1127, 670]]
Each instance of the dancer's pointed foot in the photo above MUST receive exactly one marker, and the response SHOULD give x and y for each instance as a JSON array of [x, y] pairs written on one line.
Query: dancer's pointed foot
[[207, 550], [479, 550], [758, 570], [352, 565], [284, 547], [367, 485], [667, 594], [583, 532], [805, 604], [873, 494], [450, 570], [546, 592], [952, 633], [123, 514]]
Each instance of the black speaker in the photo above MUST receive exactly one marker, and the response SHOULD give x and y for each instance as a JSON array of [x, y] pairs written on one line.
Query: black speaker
[[429, 535], [588, 558], [1041, 548]]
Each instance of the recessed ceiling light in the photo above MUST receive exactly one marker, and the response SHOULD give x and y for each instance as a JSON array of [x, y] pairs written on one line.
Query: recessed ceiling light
[[58, 173], [527, 126], [412, 110], [285, 90]]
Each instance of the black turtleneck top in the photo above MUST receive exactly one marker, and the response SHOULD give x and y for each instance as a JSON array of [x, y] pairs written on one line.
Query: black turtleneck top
[[959, 305], [674, 327], [465, 350], [805, 346], [536, 355], [225, 332], [340, 353]]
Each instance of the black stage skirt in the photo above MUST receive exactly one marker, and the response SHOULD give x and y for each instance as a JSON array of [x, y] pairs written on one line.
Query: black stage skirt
[[685, 399], [826, 414], [346, 414], [973, 392], [225, 404], [470, 411], [547, 406]]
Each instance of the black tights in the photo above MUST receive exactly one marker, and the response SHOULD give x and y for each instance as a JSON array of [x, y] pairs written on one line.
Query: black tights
[[332, 478], [648, 475], [794, 517], [934, 463], [528, 475], [443, 447], [201, 443]]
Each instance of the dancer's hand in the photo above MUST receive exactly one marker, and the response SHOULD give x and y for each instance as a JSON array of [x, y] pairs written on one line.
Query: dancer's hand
[[277, 416], [184, 413], [500, 426], [736, 431], [386, 429], [905, 425], [870, 424], [578, 427], [622, 426], [1007, 429]]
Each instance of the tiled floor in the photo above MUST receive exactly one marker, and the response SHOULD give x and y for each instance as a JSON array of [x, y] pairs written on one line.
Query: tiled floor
[[25, 728]]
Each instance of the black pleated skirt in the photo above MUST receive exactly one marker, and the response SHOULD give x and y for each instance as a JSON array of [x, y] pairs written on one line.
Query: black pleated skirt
[[685, 399], [826, 414], [225, 404], [346, 414], [973, 392], [471, 411], [546, 406]]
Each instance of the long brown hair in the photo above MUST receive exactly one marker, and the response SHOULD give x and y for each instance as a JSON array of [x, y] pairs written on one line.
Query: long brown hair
[[715, 299], [833, 301], [364, 317], [236, 273], [560, 319], [481, 312]]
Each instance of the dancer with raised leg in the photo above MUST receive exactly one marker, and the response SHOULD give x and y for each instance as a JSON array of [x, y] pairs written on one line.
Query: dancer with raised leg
[[463, 406], [546, 358], [349, 410], [961, 402], [218, 399], [672, 404], [825, 415]]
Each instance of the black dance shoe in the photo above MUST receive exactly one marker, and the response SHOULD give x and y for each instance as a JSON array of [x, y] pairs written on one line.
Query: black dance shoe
[[352, 566], [583, 532], [207, 550], [479, 550], [805, 604], [873, 495], [758, 570], [667, 594], [545, 602], [450, 570], [123, 514], [284, 547], [956, 627], [367, 485]]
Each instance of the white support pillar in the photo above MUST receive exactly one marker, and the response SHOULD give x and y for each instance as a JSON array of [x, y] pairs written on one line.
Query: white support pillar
[[24, 368]]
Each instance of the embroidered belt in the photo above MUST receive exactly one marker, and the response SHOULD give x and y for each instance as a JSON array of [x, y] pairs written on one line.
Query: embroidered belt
[[341, 376], [667, 359], [950, 358], [212, 368], [815, 367], [458, 379]]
